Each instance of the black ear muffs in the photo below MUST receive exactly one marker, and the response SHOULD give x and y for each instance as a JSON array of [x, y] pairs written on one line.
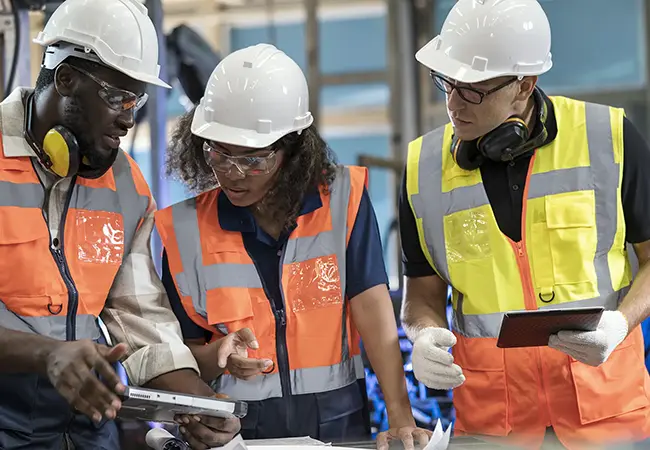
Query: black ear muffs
[[502, 143], [506, 142], [466, 154], [61, 147]]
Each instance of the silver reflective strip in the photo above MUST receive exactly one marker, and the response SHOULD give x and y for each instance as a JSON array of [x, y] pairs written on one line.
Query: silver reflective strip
[[259, 388], [488, 325], [324, 379], [50, 326], [186, 228], [222, 276], [303, 381], [431, 206], [605, 173], [132, 205], [24, 195]]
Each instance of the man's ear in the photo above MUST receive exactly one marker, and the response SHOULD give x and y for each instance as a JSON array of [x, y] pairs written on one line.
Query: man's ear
[[526, 87], [66, 80]]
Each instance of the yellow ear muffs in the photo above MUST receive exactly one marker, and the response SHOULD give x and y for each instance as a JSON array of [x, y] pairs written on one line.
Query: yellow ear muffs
[[62, 148]]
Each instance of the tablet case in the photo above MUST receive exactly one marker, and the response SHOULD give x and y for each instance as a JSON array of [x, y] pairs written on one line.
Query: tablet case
[[534, 328]]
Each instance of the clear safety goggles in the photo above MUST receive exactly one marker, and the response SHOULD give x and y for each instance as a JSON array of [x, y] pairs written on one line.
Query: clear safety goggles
[[117, 99], [247, 165]]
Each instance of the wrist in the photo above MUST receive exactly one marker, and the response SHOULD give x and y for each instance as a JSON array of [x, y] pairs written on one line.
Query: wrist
[[41, 355], [400, 417]]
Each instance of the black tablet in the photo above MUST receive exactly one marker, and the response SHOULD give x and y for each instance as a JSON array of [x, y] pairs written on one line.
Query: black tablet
[[534, 328]]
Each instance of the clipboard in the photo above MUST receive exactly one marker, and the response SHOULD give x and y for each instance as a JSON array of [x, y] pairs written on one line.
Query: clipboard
[[534, 328]]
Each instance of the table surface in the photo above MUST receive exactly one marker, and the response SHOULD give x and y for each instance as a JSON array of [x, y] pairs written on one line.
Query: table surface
[[456, 443]]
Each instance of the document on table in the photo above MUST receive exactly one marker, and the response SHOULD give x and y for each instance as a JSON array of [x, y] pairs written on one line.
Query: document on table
[[439, 439]]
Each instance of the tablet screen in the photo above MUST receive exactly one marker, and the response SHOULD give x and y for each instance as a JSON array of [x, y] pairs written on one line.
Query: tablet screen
[[534, 328]]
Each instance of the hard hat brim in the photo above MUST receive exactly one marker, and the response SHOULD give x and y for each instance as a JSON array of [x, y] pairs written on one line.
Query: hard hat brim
[[235, 136], [441, 63]]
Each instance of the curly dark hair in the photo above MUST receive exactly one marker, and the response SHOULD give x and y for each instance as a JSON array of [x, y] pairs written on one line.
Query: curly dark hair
[[308, 165]]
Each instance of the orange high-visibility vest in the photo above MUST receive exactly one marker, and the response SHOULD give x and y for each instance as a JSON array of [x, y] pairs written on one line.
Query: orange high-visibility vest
[[59, 292], [222, 292], [572, 254]]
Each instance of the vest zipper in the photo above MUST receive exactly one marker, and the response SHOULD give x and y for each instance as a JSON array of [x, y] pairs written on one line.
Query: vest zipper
[[61, 263], [280, 337], [523, 262], [281, 345]]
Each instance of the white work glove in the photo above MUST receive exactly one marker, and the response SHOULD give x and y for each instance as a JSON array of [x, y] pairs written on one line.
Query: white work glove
[[593, 347], [433, 365]]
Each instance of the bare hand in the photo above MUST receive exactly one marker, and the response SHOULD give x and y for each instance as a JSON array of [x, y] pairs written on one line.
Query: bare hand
[[233, 355], [204, 432], [405, 434], [70, 370]]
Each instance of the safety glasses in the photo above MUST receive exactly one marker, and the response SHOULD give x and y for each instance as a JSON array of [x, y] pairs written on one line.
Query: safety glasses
[[247, 165], [467, 93], [116, 99]]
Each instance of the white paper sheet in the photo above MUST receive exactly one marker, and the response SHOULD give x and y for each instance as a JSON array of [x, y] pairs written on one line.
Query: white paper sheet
[[439, 439]]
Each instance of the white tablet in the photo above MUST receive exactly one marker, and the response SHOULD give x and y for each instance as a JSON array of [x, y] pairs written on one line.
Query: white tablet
[[161, 406]]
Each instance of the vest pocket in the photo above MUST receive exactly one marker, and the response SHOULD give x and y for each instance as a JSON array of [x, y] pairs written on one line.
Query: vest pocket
[[484, 390], [572, 237], [613, 388]]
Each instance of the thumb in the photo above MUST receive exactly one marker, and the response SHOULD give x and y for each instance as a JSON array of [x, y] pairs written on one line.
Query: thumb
[[442, 337], [112, 354], [248, 338]]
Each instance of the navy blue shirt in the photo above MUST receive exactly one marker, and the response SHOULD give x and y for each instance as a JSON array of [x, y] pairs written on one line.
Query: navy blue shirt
[[340, 415], [364, 258]]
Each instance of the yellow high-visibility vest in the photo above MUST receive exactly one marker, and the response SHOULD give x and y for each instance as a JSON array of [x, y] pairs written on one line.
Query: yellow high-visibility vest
[[572, 251]]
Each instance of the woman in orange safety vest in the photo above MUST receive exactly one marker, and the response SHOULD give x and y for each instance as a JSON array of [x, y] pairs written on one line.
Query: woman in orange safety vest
[[272, 273]]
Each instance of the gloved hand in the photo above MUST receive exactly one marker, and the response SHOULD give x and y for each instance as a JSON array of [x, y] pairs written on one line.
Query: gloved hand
[[433, 365], [593, 347]]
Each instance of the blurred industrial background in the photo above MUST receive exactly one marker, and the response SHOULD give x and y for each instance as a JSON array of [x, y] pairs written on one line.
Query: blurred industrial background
[[368, 94]]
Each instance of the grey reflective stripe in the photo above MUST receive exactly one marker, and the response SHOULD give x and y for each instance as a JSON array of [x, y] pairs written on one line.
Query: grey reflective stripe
[[605, 172], [192, 281], [133, 205], [303, 381], [431, 206], [602, 176], [259, 388], [488, 325], [222, 276], [50, 326], [24, 195], [325, 378]]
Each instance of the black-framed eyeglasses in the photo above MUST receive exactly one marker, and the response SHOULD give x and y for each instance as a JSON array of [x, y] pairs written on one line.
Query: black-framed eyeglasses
[[467, 93], [247, 165], [115, 98]]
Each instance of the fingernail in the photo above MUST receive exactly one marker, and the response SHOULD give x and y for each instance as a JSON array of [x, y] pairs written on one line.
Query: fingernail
[[183, 430], [110, 413], [97, 417], [268, 363], [186, 420], [197, 418], [120, 388], [116, 404], [255, 344]]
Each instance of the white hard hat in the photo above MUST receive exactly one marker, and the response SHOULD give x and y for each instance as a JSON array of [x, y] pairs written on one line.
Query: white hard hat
[[117, 33], [255, 96], [484, 39]]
